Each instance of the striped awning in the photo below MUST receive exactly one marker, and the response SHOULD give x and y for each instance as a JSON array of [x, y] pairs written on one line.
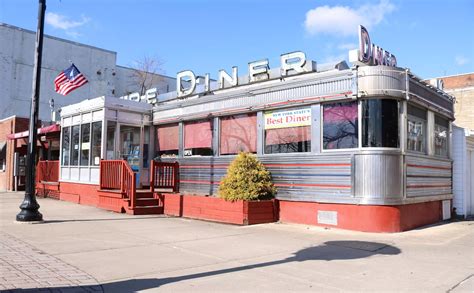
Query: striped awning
[[42, 130]]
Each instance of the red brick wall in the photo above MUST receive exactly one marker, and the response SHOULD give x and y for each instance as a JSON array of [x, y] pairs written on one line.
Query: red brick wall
[[458, 81]]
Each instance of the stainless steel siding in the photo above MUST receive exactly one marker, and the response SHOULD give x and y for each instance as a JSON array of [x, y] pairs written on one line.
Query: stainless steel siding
[[248, 99], [382, 80], [378, 176], [428, 176], [297, 177]]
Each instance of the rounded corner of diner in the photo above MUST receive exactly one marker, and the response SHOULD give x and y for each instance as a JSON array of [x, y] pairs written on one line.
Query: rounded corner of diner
[[363, 148]]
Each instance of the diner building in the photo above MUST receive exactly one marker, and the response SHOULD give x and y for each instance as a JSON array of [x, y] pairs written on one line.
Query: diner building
[[366, 147]]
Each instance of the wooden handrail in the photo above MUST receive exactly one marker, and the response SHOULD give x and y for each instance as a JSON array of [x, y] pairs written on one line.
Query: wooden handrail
[[164, 175], [117, 174]]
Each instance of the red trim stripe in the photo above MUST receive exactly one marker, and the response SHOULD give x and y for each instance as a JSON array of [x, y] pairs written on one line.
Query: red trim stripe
[[277, 185], [269, 165], [428, 167], [312, 185], [199, 182], [309, 165]]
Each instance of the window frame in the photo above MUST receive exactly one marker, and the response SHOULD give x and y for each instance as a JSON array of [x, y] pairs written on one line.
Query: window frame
[[424, 129], [399, 105], [447, 155], [358, 144], [264, 131]]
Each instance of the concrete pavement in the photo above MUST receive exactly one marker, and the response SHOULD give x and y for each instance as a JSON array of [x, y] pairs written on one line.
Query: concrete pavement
[[85, 249]]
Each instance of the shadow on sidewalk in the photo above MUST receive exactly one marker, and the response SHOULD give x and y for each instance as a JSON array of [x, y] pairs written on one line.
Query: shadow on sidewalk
[[329, 251]]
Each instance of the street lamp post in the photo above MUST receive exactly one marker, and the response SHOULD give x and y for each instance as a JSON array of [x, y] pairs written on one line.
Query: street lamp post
[[29, 207]]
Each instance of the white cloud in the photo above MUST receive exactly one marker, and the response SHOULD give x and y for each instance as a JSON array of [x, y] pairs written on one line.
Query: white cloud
[[345, 20], [461, 60], [62, 22]]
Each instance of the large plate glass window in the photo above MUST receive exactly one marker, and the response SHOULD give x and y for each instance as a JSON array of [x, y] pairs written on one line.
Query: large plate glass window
[[441, 128], [75, 145], [340, 125], [288, 131], [168, 140], [198, 138], [238, 133], [380, 123], [66, 146], [110, 137], [85, 143], [96, 143], [416, 129]]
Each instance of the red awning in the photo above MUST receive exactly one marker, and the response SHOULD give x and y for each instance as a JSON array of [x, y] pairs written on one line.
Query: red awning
[[42, 130]]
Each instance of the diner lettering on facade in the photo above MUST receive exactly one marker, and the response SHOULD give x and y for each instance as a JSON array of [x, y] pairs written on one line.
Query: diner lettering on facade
[[186, 80], [369, 53], [295, 62]]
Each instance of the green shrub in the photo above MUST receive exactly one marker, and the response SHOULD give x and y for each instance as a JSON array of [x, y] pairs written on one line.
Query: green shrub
[[246, 179]]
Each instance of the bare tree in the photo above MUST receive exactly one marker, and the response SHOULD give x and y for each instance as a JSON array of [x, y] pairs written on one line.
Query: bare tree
[[146, 73]]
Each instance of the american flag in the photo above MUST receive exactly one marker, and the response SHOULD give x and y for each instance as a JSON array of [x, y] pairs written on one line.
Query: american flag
[[68, 80]]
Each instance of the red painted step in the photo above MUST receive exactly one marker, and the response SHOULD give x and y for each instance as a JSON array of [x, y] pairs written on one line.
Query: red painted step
[[146, 210]]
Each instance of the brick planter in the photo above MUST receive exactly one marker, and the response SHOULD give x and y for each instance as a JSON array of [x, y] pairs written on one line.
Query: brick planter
[[216, 209]]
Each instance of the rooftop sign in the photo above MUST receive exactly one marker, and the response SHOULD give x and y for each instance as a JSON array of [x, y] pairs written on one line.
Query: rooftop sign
[[257, 71], [369, 53], [186, 81]]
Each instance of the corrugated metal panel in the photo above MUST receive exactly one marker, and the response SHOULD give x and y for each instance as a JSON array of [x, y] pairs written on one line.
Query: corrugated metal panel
[[428, 176], [423, 91], [382, 80], [302, 177], [254, 98], [378, 176]]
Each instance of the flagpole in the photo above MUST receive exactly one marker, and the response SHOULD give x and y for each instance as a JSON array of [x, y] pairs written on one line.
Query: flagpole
[[29, 207]]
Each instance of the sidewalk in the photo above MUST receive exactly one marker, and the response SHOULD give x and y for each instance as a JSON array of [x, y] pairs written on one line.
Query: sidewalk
[[84, 249]]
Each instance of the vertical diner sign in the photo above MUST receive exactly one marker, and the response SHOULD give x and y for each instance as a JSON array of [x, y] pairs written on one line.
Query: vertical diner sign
[[369, 53]]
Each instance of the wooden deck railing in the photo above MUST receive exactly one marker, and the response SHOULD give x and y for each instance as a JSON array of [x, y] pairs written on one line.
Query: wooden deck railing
[[117, 174], [164, 175], [47, 171]]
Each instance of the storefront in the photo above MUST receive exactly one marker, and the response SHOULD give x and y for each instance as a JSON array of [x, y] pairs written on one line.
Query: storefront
[[363, 148]]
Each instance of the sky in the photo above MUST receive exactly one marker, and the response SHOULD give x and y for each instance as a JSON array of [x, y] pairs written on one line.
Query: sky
[[431, 37]]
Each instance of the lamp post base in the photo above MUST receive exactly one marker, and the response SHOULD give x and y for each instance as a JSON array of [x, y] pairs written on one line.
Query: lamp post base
[[29, 210]]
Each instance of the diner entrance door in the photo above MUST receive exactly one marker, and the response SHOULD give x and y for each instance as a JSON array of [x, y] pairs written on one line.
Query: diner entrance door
[[130, 148]]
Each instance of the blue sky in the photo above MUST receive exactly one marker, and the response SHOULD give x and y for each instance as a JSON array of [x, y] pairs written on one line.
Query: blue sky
[[432, 38]]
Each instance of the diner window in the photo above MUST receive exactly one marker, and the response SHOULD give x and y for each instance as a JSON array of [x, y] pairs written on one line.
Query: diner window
[[85, 143], [110, 147], [168, 140], [416, 129], [66, 146], [238, 133], [340, 125], [380, 123], [96, 143], [288, 131], [75, 145], [198, 138], [441, 128]]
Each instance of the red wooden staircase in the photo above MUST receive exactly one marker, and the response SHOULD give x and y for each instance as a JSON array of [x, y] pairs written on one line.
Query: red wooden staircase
[[118, 190]]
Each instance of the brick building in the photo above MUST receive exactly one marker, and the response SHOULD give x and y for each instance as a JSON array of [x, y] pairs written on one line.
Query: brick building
[[10, 125], [462, 87]]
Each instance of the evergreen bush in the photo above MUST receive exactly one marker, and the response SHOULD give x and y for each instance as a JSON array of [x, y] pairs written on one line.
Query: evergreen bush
[[246, 179]]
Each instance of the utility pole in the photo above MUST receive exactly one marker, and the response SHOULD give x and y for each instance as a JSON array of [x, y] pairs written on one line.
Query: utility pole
[[29, 207]]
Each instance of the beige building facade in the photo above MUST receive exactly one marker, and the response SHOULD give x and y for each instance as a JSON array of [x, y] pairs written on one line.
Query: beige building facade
[[462, 87]]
